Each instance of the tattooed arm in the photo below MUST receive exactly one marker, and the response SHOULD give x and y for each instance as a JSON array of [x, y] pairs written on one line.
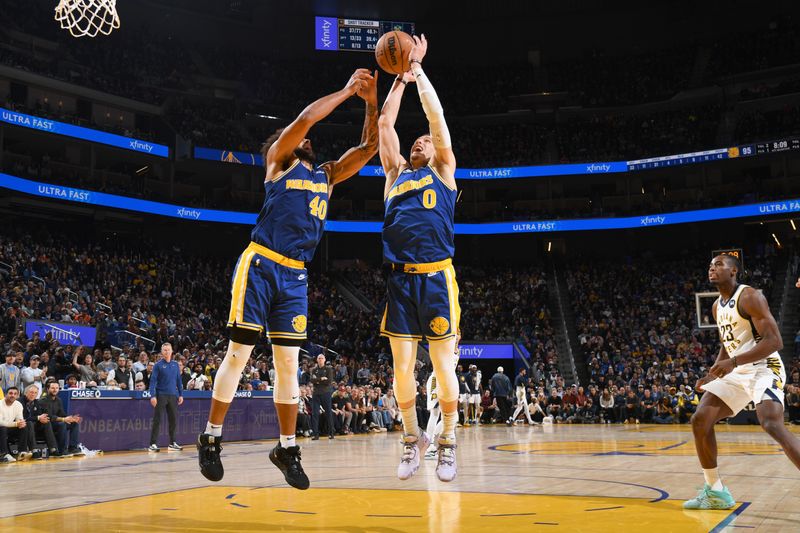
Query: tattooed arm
[[356, 157]]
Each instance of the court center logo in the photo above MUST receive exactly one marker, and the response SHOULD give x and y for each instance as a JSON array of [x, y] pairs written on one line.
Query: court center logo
[[299, 323], [440, 325]]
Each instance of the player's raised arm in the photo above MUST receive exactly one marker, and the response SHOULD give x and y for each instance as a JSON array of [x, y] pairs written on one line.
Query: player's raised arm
[[444, 159], [391, 158], [356, 157], [281, 152]]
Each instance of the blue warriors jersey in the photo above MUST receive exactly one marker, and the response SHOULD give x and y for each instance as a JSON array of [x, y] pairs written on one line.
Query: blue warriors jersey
[[292, 219], [418, 223]]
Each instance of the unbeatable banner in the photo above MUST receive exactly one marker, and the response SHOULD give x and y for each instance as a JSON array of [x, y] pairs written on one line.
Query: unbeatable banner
[[122, 420], [63, 332]]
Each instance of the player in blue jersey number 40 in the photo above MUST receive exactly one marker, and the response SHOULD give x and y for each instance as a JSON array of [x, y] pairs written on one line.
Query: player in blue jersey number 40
[[270, 282]]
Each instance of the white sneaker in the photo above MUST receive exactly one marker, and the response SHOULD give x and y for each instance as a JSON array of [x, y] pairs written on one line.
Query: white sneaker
[[446, 466], [413, 448], [175, 447], [431, 454], [153, 448], [9, 458]]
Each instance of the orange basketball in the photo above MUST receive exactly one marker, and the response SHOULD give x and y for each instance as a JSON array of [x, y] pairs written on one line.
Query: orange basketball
[[392, 50]]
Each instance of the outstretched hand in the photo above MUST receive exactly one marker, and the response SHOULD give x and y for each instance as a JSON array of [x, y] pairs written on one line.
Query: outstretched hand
[[369, 90], [702, 381], [358, 81], [419, 49]]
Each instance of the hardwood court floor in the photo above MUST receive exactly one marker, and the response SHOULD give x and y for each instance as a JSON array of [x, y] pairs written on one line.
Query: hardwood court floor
[[576, 478]]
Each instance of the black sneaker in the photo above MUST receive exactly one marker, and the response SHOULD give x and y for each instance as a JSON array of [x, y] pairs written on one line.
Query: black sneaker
[[288, 461], [208, 450]]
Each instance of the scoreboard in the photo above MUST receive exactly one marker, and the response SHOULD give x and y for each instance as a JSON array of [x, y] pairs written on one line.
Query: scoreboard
[[783, 145], [336, 34]]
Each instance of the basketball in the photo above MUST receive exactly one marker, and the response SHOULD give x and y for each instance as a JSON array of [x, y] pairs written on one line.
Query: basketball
[[392, 50]]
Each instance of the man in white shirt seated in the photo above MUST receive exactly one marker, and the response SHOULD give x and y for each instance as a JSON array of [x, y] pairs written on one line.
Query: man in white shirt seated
[[13, 425]]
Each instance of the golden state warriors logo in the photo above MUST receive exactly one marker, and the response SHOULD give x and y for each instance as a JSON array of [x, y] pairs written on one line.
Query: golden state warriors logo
[[299, 323], [440, 325], [233, 157]]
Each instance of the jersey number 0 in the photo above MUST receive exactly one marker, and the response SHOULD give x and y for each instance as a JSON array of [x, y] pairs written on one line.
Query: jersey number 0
[[429, 198]]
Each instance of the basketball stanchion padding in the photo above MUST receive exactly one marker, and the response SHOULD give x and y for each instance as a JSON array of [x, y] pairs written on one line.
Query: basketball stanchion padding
[[87, 18]]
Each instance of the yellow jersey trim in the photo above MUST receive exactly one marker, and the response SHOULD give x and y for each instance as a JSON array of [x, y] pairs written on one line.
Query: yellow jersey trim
[[290, 337], [275, 257], [246, 325], [400, 336], [283, 173], [441, 179], [441, 338], [452, 294], [423, 268], [239, 287]]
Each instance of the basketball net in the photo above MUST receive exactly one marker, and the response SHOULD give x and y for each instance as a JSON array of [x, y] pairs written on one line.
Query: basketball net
[[87, 18]]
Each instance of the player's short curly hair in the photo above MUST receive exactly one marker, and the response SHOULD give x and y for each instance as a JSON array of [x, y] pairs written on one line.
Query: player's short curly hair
[[268, 143]]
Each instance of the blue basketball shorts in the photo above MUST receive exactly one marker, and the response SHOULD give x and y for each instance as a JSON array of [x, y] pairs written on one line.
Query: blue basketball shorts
[[422, 305], [270, 294]]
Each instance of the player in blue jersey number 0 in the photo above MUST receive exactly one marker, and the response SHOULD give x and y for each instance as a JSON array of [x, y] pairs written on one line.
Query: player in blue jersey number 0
[[418, 245]]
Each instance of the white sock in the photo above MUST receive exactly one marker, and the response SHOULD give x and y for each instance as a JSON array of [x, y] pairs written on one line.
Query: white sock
[[214, 431], [410, 424], [712, 478], [287, 441], [449, 421]]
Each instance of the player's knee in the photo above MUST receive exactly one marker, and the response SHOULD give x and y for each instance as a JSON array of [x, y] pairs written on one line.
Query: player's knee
[[772, 426], [283, 360], [700, 419]]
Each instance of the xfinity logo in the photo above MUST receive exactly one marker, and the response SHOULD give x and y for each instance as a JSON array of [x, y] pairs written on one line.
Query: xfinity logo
[[326, 34], [188, 213], [646, 221], [140, 146], [472, 351], [594, 167]]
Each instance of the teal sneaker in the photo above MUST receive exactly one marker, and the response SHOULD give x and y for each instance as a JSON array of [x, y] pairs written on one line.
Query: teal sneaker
[[711, 499]]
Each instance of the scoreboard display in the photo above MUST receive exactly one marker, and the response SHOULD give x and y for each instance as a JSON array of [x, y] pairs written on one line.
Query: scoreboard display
[[335, 34], [783, 145]]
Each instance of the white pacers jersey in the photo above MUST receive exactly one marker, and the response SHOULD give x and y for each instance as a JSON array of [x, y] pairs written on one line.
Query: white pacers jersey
[[738, 335]]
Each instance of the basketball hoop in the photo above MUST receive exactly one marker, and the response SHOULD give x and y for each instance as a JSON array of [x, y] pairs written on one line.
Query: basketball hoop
[[87, 18]]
